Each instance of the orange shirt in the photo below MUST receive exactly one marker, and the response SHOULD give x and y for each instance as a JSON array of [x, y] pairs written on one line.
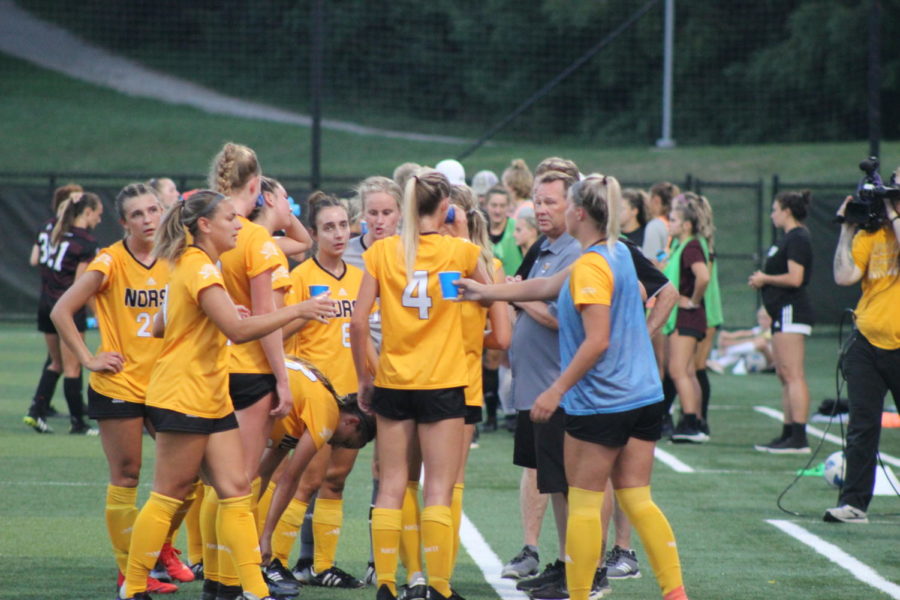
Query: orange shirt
[[129, 297], [256, 252], [191, 375], [422, 347]]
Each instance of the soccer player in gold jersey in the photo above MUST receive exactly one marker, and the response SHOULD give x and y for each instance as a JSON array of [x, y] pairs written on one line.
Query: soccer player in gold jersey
[[418, 388], [187, 397]]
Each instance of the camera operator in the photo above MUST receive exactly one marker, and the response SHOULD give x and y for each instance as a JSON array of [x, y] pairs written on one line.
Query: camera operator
[[869, 254]]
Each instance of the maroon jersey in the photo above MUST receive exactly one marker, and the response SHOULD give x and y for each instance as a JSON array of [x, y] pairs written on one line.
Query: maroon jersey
[[59, 262]]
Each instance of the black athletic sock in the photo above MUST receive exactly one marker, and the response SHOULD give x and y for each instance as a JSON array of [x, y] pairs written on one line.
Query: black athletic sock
[[44, 392], [491, 383], [787, 430], [669, 392], [798, 432], [307, 540], [703, 378], [72, 391]]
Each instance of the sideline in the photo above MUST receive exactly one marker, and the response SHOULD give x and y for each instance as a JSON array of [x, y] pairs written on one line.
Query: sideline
[[856, 568], [829, 437], [32, 39], [487, 561], [670, 461]]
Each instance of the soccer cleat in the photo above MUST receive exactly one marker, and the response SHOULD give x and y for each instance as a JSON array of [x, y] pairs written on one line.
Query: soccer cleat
[[140, 596], [153, 585], [601, 586], [83, 429], [371, 578], [197, 570], [622, 564], [433, 594], [335, 577], [417, 590], [553, 573], [474, 443], [454, 595], [176, 569], [384, 593], [249, 596], [278, 583], [210, 590], [229, 592], [523, 564], [38, 424], [158, 572], [275, 571], [845, 514], [668, 427], [765, 447], [786, 446], [302, 570]]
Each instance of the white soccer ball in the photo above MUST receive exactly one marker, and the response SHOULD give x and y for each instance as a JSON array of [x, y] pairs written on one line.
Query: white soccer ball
[[755, 362], [835, 469]]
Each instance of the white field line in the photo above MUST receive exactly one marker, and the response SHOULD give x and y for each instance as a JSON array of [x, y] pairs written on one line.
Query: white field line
[[672, 462], [829, 437], [856, 568], [487, 561], [27, 37]]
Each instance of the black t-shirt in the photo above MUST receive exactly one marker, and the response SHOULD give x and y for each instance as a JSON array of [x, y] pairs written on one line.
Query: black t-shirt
[[636, 236], [60, 262], [650, 277], [795, 245]]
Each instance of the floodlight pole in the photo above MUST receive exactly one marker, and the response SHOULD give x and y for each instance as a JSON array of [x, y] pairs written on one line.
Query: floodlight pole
[[874, 72], [315, 85], [666, 140]]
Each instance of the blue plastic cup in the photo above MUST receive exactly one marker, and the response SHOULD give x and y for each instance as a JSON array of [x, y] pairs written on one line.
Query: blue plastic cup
[[448, 290], [317, 290]]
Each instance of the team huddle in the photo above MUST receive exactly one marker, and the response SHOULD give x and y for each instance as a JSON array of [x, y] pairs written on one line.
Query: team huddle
[[260, 384]]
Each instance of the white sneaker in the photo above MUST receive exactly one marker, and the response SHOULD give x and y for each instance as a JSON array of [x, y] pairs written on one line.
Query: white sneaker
[[845, 514]]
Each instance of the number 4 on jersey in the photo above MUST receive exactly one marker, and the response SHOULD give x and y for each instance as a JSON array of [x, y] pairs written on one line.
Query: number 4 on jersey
[[415, 295]]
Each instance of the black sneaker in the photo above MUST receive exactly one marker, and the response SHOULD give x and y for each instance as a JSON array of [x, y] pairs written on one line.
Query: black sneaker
[[786, 446], [554, 573], [416, 590], [229, 592], [552, 590], [371, 578], [688, 431], [384, 593], [765, 447], [600, 586], [197, 570], [335, 577], [83, 428]]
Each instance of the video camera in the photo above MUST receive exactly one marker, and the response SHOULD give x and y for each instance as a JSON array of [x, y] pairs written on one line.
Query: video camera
[[866, 209]]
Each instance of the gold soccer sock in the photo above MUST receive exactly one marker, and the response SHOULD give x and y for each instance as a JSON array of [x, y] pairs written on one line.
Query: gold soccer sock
[[328, 516], [229, 573], [286, 530], [240, 543], [192, 526], [456, 510], [385, 543], [180, 514], [121, 511], [583, 541], [437, 540], [208, 511], [656, 536], [262, 507], [150, 529], [410, 538]]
